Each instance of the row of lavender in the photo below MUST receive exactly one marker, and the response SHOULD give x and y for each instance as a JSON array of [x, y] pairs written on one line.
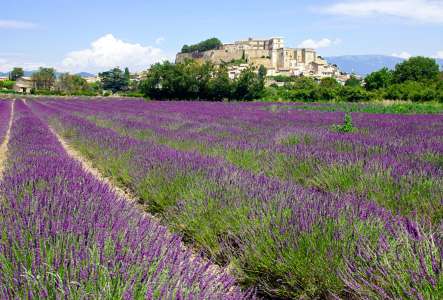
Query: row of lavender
[[5, 111], [393, 160], [286, 240], [416, 134], [64, 234]]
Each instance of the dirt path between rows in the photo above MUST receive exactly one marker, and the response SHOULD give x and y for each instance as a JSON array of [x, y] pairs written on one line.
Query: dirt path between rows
[[4, 144]]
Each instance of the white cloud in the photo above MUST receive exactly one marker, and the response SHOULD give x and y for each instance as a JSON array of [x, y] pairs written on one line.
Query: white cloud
[[403, 54], [14, 24], [108, 52], [429, 11], [323, 43], [7, 64], [159, 40], [439, 54]]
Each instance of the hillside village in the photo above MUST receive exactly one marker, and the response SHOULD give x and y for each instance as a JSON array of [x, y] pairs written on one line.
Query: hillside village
[[270, 53]]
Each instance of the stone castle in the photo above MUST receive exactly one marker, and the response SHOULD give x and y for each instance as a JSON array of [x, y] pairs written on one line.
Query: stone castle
[[270, 53]]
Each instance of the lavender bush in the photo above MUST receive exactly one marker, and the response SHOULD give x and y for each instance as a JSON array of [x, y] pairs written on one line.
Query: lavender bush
[[5, 110]]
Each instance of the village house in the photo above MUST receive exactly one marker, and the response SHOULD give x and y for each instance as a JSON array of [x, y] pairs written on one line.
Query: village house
[[24, 85], [92, 79]]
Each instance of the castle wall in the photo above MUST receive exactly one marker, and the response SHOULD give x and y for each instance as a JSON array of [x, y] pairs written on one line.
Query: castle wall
[[266, 62], [215, 56], [257, 53]]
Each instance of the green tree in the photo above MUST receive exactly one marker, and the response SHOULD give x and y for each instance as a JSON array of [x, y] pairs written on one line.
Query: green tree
[[44, 78], [220, 86], [329, 88], [354, 94], [262, 72], [248, 86], [302, 89], [71, 84], [191, 80], [379, 79], [205, 45], [114, 80], [127, 76], [329, 83], [416, 69], [16, 73], [353, 81]]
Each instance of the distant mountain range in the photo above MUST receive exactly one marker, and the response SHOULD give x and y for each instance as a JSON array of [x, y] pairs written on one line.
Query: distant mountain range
[[29, 73], [365, 64]]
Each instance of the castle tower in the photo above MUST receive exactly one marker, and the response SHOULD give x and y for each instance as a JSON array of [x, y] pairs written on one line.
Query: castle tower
[[275, 44]]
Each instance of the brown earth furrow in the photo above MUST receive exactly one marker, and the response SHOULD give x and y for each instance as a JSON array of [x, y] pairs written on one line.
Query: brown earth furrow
[[4, 144]]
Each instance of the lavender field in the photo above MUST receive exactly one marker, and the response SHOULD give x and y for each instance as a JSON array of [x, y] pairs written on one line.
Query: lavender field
[[244, 200]]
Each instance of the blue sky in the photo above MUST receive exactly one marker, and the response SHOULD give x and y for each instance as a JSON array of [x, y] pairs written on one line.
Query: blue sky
[[95, 35]]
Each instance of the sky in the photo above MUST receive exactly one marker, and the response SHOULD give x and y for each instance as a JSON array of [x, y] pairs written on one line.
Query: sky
[[96, 35]]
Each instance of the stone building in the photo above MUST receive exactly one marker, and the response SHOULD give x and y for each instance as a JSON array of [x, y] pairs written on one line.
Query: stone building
[[270, 53], [24, 85]]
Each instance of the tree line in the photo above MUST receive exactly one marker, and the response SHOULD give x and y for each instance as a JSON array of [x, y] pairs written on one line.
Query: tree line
[[46, 81], [206, 45], [416, 79], [191, 80]]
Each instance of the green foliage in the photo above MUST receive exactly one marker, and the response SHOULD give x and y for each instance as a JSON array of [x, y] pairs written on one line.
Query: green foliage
[[248, 86], [8, 92], [379, 80], [353, 81], [205, 45], [262, 71], [329, 83], [413, 91], [16, 73], [347, 125], [7, 84], [114, 80], [303, 89], [220, 86], [44, 79], [377, 107], [354, 94], [416, 69], [191, 81], [71, 84]]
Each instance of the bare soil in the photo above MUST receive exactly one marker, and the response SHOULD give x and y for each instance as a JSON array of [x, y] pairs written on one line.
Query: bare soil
[[4, 144]]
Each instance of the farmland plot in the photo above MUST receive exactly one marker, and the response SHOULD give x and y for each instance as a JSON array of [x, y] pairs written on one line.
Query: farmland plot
[[65, 234], [293, 207]]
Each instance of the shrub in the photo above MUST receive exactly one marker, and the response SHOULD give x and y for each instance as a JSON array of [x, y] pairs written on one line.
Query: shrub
[[347, 125], [7, 84], [354, 94]]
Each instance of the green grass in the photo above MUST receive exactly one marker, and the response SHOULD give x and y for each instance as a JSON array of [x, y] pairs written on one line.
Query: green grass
[[385, 107]]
